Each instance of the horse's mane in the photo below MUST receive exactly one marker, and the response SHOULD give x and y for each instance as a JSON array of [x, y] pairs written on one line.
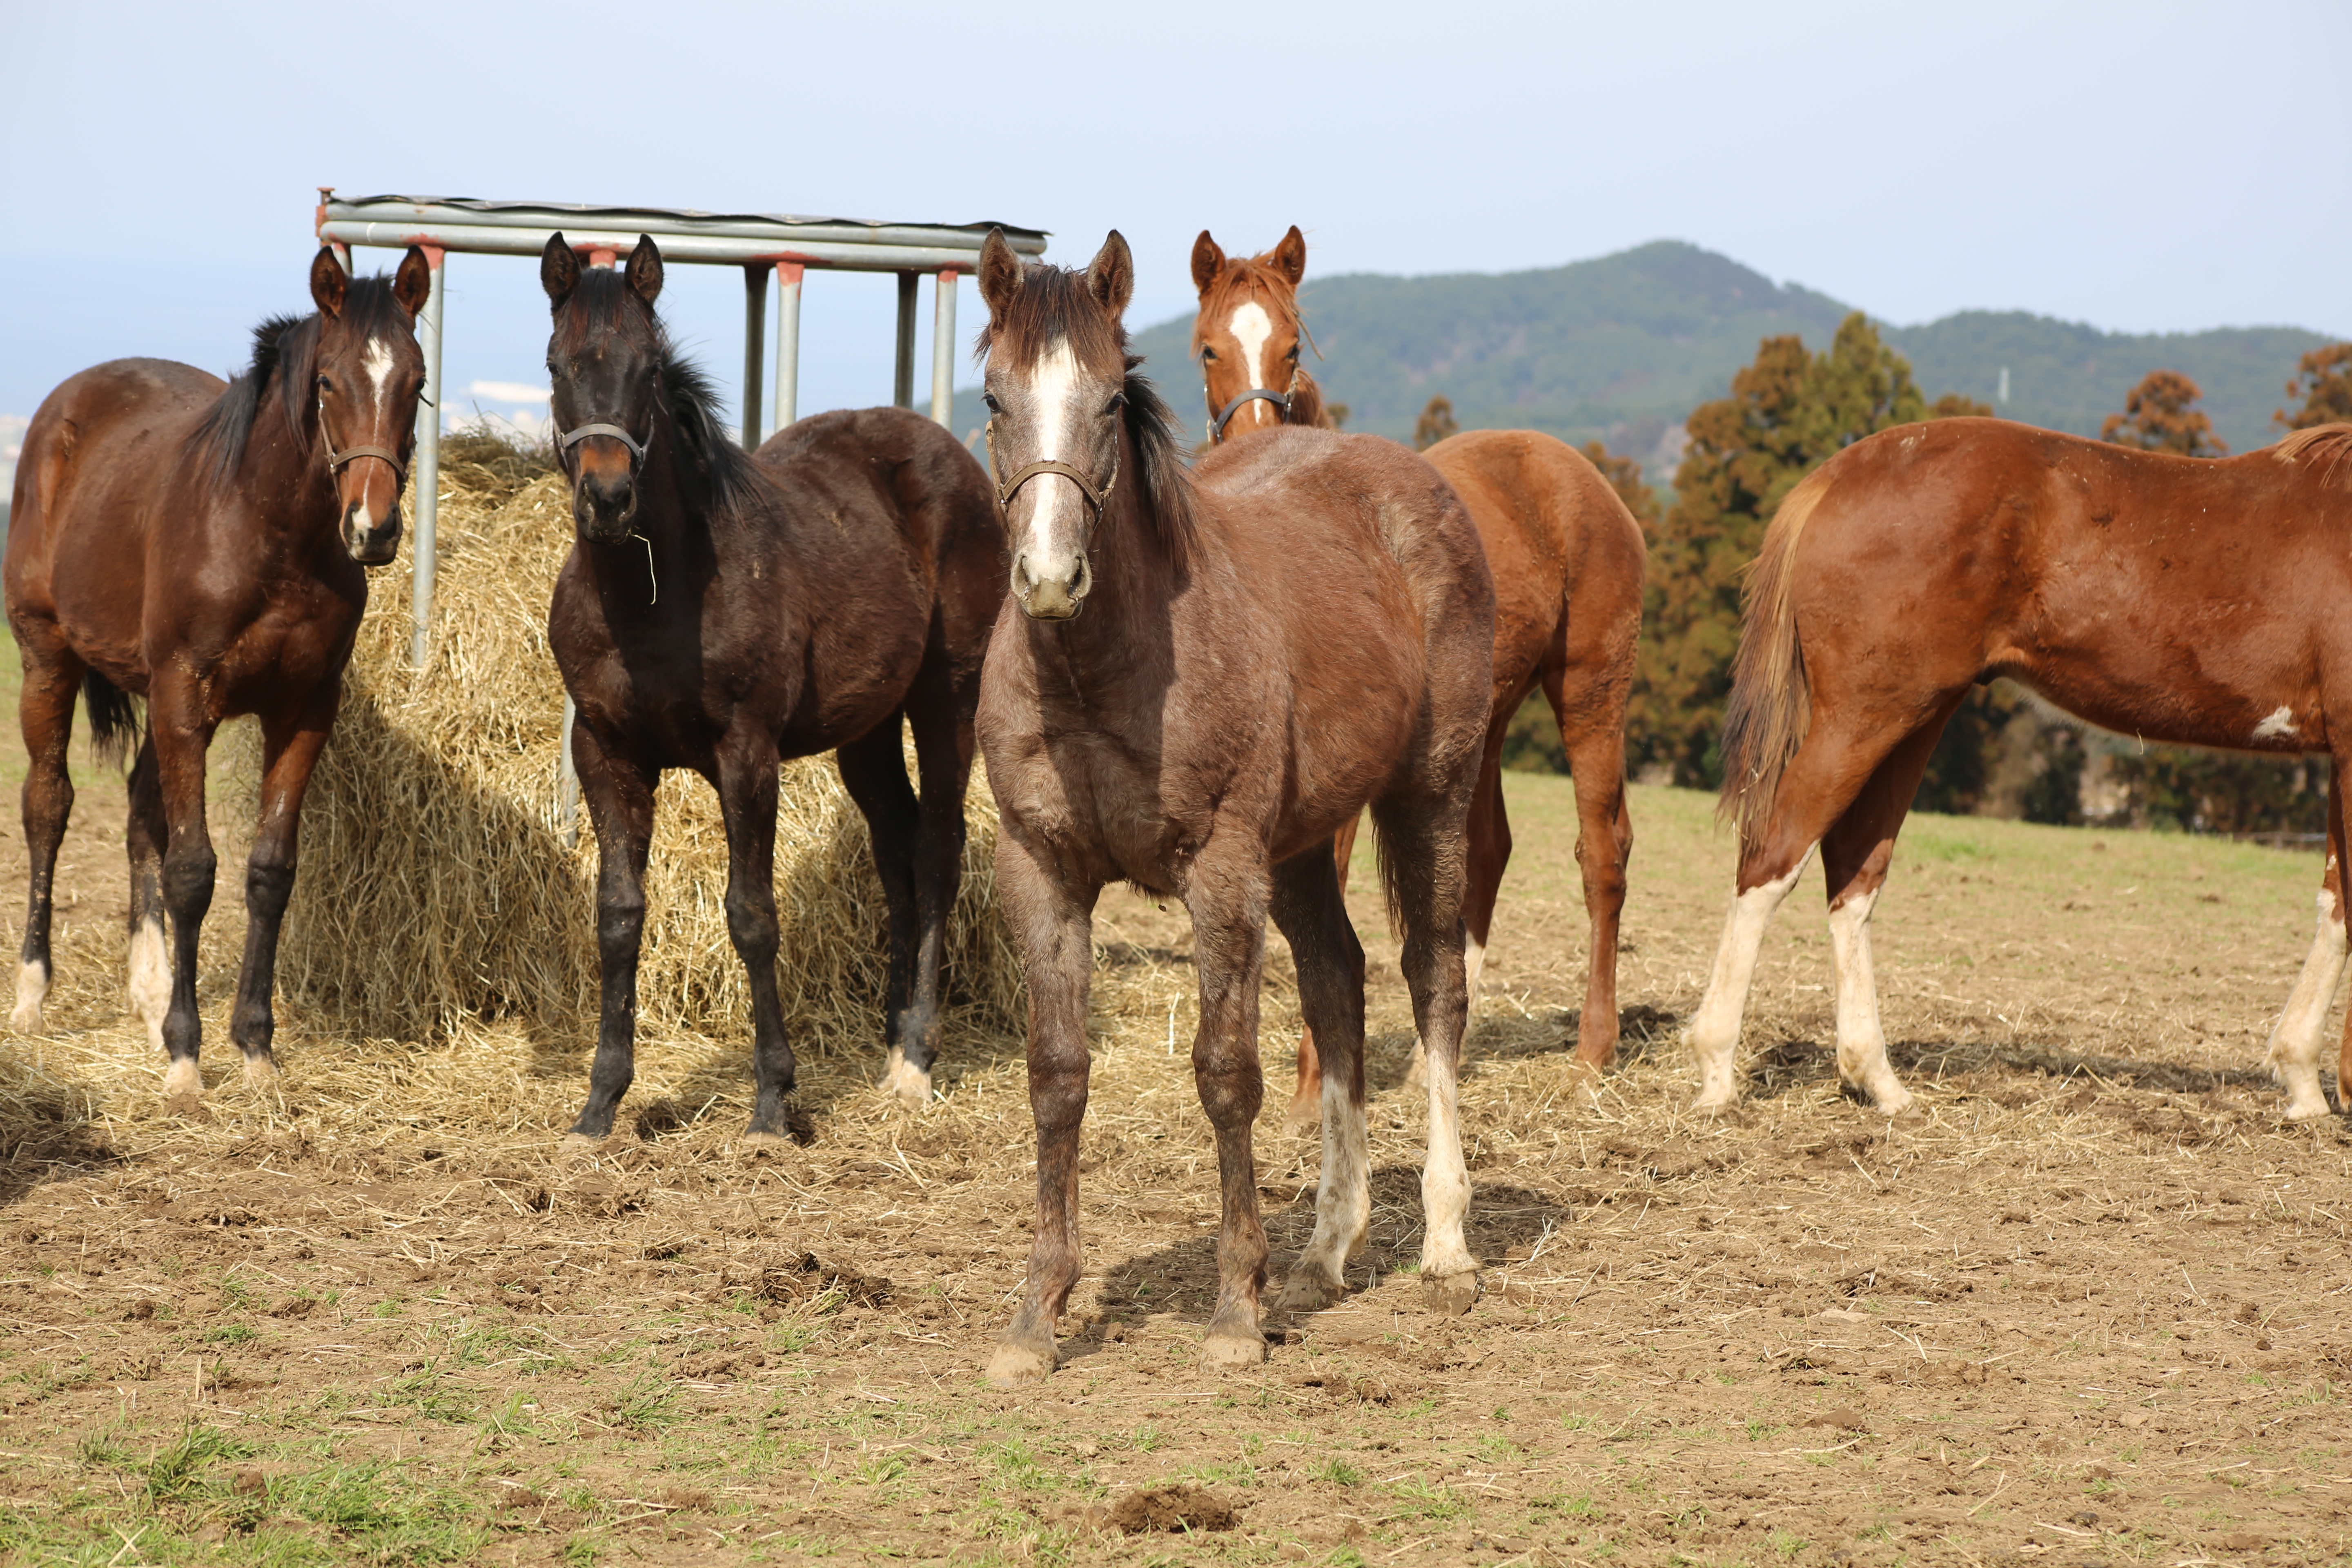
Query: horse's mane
[[1054, 305], [737, 483], [287, 348], [2330, 446]]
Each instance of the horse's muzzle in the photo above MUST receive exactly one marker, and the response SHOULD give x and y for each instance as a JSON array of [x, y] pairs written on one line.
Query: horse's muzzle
[[372, 546], [1052, 594], [604, 508]]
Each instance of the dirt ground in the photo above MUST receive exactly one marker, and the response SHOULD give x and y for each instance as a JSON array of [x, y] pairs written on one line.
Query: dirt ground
[[2088, 1304]]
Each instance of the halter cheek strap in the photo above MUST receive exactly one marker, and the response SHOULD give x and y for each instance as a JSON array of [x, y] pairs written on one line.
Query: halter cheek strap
[[335, 459]]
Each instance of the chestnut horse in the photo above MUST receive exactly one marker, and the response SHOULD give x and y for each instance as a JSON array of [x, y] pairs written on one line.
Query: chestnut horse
[[1568, 560], [200, 545], [1301, 627], [2183, 599], [723, 610]]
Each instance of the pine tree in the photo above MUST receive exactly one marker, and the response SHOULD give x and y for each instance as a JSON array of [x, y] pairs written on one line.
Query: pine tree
[[1624, 477], [2323, 381], [1436, 423], [2160, 414]]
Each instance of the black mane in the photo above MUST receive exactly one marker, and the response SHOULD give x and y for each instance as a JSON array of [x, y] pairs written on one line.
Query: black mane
[[287, 348]]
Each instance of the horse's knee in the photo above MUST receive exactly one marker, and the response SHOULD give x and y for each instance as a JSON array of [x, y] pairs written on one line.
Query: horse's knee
[[188, 873], [268, 887], [751, 921]]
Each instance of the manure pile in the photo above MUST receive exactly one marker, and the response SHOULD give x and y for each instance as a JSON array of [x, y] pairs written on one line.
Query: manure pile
[[442, 889]]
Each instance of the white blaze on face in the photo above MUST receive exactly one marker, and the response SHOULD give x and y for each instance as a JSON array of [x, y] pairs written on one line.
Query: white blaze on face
[[376, 375], [1051, 551], [1251, 326], [374, 391]]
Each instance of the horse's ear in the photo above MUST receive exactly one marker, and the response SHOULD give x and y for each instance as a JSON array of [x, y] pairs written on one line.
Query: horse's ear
[[1000, 273], [559, 270], [646, 269], [1110, 275], [327, 284], [1290, 256], [412, 285], [1208, 260]]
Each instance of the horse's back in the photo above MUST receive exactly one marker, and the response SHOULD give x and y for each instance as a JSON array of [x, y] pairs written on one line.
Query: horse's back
[[96, 456]]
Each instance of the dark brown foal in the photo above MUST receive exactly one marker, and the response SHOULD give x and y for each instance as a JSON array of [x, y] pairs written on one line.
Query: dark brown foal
[[201, 546], [1199, 678], [1568, 560], [722, 611]]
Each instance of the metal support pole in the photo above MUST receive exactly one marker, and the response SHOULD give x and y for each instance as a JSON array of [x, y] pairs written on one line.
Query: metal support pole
[[755, 327], [788, 343], [428, 466], [943, 350], [902, 385]]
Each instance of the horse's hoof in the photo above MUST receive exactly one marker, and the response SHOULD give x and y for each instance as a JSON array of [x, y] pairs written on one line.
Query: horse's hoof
[[1233, 1352], [1018, 1366], [261, 1071], [1893, 1099], [1304, 1116], [27, 1019], [1714, 1099], [909, 1085], [758, 1145], [182, 1081], [1307, 1292], [187, 1107], [577, 1147], [1449, 1295], [2307, 1108]]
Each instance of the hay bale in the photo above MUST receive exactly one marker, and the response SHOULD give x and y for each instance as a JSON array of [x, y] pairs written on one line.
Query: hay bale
[[440, 889]]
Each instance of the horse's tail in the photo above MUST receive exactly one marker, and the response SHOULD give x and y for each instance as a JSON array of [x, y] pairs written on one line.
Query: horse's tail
[[1772, 701], [114, 721]]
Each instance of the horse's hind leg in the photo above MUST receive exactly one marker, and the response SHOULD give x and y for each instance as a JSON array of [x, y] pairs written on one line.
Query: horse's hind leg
[[1309, 910], [1591, 714], [1856, 854], [2294, 1054], [1830, 770], [942, 724], [45, 709], [1421, 840], [1306, 1098], [874, 769], [144, 837], [181, 732]]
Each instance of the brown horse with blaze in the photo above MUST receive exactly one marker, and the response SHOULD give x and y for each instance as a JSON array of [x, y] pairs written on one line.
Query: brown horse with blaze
[[2189, 600], [201, 546], [1202, 676], [1568, 560]]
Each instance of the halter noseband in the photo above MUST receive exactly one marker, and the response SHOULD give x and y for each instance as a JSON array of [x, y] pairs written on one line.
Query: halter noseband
[[1007, 489], [578, 433], [335, 460], [1281, 400]]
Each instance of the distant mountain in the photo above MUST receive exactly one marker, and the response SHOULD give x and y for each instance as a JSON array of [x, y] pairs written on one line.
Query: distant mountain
[[1623, 348]]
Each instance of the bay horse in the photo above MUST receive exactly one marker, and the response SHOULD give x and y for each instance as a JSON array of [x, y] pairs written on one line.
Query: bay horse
[[1300, 627], [2186, 600], [723, 611], [1569, 563], [200, 544]]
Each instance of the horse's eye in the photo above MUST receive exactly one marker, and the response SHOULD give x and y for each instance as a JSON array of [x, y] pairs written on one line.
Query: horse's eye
[[1117, 401], [326, 385], [1207, 355], [990, 398], [1293, 355]]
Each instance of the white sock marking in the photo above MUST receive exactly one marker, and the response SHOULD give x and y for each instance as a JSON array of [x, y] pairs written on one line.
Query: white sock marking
[[1343, 1196], [1713, 1033], [1444, 1181], [1861, 1042], [150, 977], [2294, 1054], [32, 988]]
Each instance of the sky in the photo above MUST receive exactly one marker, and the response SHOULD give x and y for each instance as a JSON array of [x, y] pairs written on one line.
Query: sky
[[2143, 167]]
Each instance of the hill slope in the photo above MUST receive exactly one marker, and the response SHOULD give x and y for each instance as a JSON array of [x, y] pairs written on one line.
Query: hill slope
[[1624, 347]]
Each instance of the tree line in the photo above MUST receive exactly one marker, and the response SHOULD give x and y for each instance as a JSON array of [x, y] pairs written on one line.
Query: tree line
[[2005, 753]]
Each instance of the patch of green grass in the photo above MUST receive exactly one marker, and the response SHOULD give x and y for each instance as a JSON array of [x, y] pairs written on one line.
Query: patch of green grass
[[231, 1334], [1338, 1472], [1434, 1501]]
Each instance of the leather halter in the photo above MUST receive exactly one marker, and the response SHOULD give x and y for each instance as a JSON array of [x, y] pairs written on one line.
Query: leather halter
[[335, 460], [578, 433], [1007, 489], [1281, 400]]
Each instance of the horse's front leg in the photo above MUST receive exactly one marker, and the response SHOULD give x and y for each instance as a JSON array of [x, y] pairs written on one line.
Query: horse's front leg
[[290, 745], [181, 732], [1052, 925], [1228, 899], [620, 796], [747, 799]]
